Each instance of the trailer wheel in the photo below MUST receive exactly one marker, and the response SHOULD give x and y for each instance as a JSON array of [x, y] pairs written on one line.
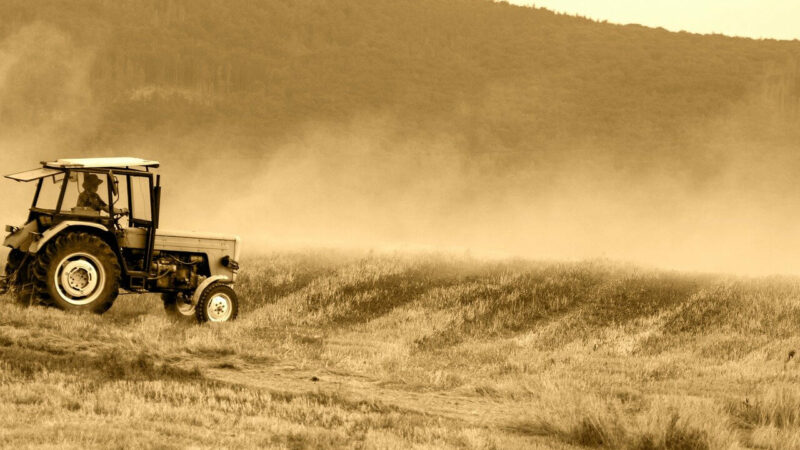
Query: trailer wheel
[[77, 272], [176, 306], [217, 303]]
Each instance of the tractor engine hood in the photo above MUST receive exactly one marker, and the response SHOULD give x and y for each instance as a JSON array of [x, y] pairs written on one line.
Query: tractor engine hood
[[200, 238], [186, 241], [171, 238]]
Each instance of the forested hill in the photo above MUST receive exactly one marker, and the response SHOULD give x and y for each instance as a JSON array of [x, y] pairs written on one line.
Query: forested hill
[[493, 74]]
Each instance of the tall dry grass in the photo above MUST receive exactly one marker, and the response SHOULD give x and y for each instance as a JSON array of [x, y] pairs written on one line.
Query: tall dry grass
[[428, 351]]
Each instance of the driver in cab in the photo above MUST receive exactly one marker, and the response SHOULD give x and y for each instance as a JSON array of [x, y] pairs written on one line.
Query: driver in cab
[[89, 197]]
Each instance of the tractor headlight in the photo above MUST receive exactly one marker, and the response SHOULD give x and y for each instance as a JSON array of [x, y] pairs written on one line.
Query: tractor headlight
[[11, 229], [228, 262]]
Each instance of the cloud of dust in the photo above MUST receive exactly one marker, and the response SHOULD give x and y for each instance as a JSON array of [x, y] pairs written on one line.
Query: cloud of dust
[[46, 105], [725, 203]]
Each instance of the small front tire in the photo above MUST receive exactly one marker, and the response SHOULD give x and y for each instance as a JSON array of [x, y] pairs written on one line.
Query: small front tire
[[218, 303]]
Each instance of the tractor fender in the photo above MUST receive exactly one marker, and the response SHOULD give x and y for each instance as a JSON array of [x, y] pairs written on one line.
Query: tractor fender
[[206, 283], [54, 231]]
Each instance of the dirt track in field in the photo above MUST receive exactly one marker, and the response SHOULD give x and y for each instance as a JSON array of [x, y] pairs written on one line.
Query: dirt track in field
[[286, 377], [291, 378]]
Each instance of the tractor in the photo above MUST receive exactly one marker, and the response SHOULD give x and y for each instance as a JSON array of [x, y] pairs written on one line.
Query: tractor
[[93, 229]]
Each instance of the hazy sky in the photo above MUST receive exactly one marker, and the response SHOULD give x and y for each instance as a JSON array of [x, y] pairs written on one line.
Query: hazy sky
[[776, 19]]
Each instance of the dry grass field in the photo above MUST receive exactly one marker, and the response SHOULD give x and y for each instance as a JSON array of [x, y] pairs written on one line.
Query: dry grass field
[[418, 351]]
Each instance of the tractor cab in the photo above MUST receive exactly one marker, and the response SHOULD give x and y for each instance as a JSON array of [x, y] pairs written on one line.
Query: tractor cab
[[121, 195], [100, 190]]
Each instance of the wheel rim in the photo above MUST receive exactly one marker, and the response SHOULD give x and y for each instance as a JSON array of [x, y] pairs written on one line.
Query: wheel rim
[[79, 279], [184, 309], [219, 308]]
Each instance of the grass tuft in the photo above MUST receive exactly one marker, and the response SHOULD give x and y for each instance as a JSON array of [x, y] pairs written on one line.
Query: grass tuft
[[779, 407]]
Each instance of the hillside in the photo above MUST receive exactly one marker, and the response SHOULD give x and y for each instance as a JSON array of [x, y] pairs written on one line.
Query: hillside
[[426, 123], [378, 351], [496, 76]]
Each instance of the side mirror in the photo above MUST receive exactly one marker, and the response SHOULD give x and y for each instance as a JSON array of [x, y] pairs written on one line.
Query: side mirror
[[114, 184]]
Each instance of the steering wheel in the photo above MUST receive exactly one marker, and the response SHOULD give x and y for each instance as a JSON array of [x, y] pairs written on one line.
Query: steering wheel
[[119, 212]]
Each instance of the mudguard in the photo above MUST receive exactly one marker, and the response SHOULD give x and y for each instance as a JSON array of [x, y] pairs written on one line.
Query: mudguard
[[22, 237], [54, 231], [206, 283]]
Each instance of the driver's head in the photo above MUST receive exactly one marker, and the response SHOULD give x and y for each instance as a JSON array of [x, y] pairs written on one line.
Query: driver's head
[[91, 182]]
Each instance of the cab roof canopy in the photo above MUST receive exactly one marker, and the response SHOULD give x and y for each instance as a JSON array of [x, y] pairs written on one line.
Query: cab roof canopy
[[111, 163], [55, 167]]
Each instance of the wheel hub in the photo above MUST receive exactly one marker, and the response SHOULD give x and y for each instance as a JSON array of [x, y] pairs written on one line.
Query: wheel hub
[[219, 308], [79, 278]]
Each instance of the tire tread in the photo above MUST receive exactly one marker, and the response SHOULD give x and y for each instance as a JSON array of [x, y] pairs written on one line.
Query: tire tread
[[47, 256], [200, 309]]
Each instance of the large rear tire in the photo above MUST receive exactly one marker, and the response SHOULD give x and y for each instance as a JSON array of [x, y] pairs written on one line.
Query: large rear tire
[[218, 303], [78, 272]]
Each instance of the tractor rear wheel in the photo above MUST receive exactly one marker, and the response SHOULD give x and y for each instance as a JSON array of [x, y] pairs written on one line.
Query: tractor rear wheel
[[218, 303], [77, 271], [176, 306]]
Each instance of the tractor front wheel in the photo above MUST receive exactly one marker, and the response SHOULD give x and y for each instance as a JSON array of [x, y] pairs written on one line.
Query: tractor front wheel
[[218, 303], [77, 272]]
